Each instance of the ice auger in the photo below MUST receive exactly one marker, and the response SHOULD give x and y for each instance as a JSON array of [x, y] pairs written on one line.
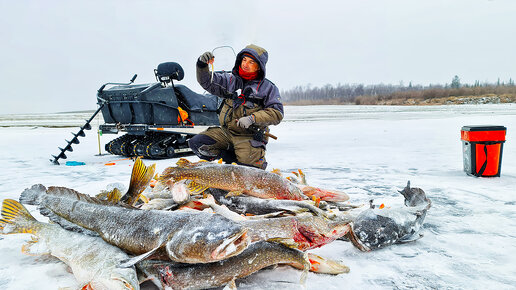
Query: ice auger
[[75, 139], [87, 126]]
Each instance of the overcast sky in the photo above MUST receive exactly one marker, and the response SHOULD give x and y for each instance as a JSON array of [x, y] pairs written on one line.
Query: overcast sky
[[54, 55]]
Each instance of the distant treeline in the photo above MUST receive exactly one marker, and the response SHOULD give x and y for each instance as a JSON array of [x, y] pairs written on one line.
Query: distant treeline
[[360, 94]]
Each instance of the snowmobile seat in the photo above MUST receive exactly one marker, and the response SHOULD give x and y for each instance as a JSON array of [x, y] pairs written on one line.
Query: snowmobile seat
[[168, 71], [197, 102], [202, 109]]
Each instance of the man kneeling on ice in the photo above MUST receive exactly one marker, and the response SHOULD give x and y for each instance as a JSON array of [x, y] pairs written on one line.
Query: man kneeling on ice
[[251, 104]]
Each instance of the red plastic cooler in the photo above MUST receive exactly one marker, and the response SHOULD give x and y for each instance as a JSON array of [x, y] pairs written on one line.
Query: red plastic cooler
[[482, 148]]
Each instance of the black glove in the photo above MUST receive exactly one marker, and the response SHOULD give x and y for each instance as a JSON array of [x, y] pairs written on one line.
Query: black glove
[[259, 135], [206, 57]]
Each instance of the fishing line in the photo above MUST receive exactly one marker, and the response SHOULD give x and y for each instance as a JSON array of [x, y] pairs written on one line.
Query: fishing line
[[213, 52]]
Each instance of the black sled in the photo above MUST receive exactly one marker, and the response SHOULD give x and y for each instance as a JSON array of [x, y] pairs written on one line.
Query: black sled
[[150, 115]]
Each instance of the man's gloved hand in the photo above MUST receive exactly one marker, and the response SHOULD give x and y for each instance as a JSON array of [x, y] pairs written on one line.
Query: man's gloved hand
[[245, 122], [206, 57]]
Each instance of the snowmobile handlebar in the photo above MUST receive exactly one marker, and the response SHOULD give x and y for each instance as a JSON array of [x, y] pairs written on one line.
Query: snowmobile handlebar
[[107, 84]]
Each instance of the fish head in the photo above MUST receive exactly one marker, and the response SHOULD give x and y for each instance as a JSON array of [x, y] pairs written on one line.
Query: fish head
[[204, 244], [317, 231]]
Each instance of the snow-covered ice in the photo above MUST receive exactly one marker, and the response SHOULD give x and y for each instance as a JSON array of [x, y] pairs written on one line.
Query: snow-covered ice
[[367, 151]]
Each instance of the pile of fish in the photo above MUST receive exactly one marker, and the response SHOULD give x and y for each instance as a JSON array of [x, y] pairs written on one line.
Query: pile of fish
[[203, 225]]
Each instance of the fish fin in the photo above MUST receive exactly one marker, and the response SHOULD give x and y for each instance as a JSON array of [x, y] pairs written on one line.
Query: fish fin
[[144, 198], [303, 206], [183, 162], [114, 195], [287, 242], [194, 187], [220, 161], [16, 215], [276, 171], [267, 215], [102, 195], [140, 179], [33, 195], [317, 200], [306, 268], [410, 238], [322, 265], [231, 285], [132, 261], [65, 224], [234, 193], [87, 287], [72, 194], [27, 248], [302, 176]]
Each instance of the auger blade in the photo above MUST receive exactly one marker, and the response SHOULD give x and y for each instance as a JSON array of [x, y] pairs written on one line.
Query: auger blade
[[62, 155], [54, 161], [75, 140]]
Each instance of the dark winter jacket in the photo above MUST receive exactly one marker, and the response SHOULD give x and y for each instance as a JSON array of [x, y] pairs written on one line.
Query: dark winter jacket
[[259, 97]]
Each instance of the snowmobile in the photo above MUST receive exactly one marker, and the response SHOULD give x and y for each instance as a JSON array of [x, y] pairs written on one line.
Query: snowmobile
[[158, 118]]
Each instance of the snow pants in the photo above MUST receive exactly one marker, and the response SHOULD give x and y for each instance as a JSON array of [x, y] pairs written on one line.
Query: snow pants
[[218, 142]]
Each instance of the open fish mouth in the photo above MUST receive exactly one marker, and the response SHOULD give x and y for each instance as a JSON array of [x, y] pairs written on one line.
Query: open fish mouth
[[231, 246], [126, 284]]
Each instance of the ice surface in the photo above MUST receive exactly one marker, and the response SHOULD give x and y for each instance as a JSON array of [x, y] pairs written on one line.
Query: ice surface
[[368, 152]]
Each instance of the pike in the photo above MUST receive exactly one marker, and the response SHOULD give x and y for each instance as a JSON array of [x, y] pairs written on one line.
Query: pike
[[260, 206], [183, 237], [236, 179], [256, 257], [94, 262]]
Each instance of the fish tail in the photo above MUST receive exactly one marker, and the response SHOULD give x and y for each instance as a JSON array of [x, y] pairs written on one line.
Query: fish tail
[[306, 268], [140, 179], [33, 195], [319, 264], [18, 217]]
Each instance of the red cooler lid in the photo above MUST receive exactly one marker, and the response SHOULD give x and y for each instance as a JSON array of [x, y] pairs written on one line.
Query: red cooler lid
[[476, 133]]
